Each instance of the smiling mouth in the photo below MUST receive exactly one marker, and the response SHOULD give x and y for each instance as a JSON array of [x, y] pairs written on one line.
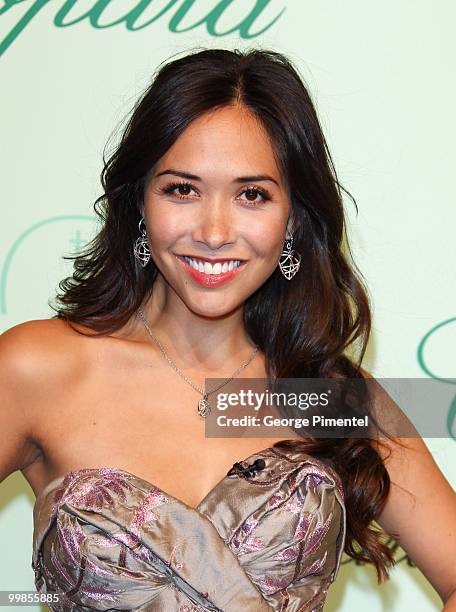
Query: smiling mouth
[[213, 267]]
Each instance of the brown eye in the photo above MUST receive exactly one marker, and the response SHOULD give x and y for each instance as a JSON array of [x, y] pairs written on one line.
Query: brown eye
[[251, 194], [183, 189]]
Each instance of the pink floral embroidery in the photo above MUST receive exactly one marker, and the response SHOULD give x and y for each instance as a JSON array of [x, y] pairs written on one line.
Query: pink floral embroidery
[[249, 526], [315, 567], [102, 594], [61, 569], [102, 540], [302, 528], [311, 543], [144, 512], [275, 500], [294, 505], [270, 585], [92, 493], [289, 554], [328, 470], [71, 539], [245, 539], [299, 531], [315, 479], [251, 545], [317, 536]]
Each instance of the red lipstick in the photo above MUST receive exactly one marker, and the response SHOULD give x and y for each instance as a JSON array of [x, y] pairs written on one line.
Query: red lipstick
[[210, 280]]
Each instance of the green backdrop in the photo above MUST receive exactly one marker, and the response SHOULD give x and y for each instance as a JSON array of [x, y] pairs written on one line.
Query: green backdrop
[[381, 76]]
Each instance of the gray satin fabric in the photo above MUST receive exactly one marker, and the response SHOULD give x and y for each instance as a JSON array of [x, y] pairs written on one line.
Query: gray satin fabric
[[105, 539]]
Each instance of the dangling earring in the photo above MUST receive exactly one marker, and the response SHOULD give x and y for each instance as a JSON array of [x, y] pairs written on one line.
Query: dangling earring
[[141, 246], [289, 260]]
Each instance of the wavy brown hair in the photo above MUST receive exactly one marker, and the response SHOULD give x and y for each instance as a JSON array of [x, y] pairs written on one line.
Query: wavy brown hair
[[304, 327]]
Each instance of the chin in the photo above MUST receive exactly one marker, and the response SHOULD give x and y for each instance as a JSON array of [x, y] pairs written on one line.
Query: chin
[[214, 310]]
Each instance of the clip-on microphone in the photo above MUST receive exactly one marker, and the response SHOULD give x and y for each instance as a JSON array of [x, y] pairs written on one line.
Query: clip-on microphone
[[256, 466]]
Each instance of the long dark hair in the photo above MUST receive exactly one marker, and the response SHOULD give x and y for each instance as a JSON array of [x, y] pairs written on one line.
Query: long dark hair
[[304, 327]]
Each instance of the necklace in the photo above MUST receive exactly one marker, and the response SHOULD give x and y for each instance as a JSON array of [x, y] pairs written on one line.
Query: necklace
[[204, 408]]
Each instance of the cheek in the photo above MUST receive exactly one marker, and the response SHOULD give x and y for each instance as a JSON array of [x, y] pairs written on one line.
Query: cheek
[[266, 239], [165, 227], [267, 229]]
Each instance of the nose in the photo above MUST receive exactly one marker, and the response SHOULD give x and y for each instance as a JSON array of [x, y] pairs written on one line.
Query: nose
[[215, 224]]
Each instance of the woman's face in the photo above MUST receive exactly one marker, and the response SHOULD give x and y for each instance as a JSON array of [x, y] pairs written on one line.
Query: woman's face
[[217, 194]]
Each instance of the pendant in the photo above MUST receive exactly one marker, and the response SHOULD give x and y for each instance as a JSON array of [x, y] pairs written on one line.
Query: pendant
[[289, 261], [204, 408]]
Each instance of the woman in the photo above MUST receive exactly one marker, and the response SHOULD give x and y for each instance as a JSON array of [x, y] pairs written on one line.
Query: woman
[[220, 254]]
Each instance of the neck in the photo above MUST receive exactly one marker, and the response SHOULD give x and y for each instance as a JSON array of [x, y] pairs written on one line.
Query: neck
[[193, 341]]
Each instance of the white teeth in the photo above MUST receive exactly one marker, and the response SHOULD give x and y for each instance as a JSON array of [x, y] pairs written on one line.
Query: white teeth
[[207, 268]]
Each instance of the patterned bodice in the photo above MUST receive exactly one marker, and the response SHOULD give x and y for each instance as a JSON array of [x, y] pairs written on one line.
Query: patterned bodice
[[105, 539]]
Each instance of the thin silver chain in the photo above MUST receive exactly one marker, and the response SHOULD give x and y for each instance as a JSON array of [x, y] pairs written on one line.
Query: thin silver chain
[[243, 365]]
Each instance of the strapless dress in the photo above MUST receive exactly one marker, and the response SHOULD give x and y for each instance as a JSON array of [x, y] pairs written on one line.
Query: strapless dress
[[105, 539]]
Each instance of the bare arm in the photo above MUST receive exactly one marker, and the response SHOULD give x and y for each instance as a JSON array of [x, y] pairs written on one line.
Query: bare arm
[[421, 512], [450, 605], [18, 449]]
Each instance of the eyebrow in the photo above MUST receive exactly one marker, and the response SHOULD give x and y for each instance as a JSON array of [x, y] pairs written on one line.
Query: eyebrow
[[239, 179]]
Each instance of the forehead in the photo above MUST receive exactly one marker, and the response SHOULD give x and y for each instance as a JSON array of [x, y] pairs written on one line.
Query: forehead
[[228, 141]]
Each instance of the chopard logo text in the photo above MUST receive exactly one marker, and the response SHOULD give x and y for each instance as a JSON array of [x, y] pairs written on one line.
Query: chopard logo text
[[136, 15]]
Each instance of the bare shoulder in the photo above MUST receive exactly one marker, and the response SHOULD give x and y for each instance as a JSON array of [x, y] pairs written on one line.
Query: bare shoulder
[[33, 350], [35, 357], [36, 328]]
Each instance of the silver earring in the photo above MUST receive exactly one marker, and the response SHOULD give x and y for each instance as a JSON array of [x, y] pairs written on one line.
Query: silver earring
[[141, 246], [290, 260]]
